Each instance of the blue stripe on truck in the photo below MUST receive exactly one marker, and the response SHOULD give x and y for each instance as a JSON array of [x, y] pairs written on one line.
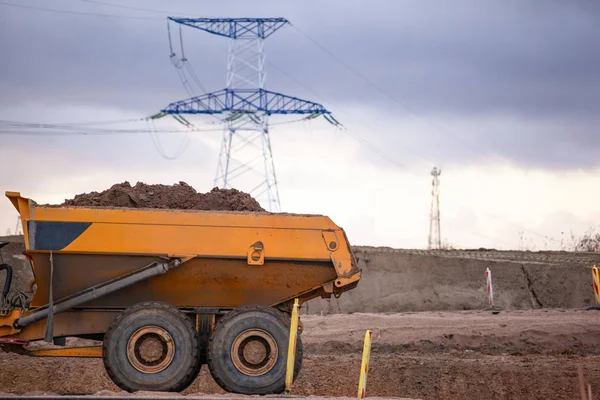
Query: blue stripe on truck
[[46, 235]]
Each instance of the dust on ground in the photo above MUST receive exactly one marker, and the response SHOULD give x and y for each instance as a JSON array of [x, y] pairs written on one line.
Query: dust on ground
[[179, 196], [429, 355]]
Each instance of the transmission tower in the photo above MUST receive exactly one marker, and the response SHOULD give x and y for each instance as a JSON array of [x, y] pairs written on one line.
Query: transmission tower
[[435, 235], [246, 156], [18, 230]]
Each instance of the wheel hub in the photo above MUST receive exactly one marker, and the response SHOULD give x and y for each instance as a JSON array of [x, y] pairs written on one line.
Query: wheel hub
[[150, 349], [254, 352]]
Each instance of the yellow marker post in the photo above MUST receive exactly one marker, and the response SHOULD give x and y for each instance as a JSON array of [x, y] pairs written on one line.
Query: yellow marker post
[[596, 284], [289, 374], [364, 367]]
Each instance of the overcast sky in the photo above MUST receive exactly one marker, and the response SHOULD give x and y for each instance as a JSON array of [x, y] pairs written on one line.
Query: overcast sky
[[503, 95]]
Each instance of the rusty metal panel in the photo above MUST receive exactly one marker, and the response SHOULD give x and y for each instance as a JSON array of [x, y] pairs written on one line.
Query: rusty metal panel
[[200, 282], [76, 272]]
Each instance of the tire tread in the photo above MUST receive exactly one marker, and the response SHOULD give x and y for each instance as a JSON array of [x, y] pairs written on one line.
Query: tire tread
[[243, 309], [192, 372]]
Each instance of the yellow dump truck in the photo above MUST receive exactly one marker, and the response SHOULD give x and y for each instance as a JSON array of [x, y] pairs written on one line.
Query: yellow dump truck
[[169, 290]]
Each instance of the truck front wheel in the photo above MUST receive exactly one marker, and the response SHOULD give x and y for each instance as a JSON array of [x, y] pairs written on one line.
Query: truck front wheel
[[248, 351], [151, 346]]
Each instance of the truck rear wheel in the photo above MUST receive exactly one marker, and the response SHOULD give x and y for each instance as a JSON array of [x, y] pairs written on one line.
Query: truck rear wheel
[[151, 346], [248, 351]]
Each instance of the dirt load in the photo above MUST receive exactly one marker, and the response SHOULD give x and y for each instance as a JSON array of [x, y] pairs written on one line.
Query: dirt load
[[179, 196], [430, 355]]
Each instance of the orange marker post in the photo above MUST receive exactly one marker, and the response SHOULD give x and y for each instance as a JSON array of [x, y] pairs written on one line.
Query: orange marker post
[[289, 374], [596, 284], [364, 367]]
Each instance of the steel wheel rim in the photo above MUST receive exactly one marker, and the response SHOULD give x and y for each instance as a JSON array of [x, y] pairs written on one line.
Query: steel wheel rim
[[137, 354], [240, 358]]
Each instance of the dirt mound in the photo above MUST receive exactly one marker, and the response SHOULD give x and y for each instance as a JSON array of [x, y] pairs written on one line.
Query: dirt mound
[[179, 196]]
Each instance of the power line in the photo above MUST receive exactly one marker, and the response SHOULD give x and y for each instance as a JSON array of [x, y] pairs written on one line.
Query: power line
[[33, 129], [158, 146], [348, 114], [381, 153], [36, 129], [94, 133], [164, 12], [383, 91], [67, 124], [54, 10], [523, 228], [406, 107], [125, 7], [91, 123], [182, 64]]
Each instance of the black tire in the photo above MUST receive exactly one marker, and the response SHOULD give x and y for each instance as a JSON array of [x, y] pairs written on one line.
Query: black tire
[[128, 332], [205, 328], [230, 329]]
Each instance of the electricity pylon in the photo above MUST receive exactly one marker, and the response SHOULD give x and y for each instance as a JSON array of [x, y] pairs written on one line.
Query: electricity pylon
[[246, 155]]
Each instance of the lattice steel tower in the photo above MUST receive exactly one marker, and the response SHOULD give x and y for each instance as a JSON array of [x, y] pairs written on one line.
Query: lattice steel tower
[[435, 235], [246, 157]]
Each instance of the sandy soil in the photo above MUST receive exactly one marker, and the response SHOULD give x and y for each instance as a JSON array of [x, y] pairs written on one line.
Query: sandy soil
[[429, 355]]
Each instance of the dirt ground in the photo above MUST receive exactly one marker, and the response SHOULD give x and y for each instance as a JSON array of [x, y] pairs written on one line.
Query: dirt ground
[[402, 280], [430, 355], [178, 196]]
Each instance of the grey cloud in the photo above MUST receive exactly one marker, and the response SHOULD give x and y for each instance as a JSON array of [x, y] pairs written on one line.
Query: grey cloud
[[536, 62]]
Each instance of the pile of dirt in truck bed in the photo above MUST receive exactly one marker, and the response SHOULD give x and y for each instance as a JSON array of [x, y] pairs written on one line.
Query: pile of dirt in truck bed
[[180, 196]]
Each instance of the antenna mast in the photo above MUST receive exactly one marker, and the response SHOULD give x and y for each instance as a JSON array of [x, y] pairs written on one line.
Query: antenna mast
[[435, 235]]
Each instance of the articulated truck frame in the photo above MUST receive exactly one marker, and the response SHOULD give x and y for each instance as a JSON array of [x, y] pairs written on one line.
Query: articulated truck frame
[[169, 290]]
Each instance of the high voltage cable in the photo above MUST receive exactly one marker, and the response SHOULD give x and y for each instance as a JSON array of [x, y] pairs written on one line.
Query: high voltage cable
[[126, 7], [346, 113], [83, 124], [36, 129], [406, 107], [49, 130], [194, 77], [182, 63], [158, 146], [382, 154], [94, 133], [164, 12], [75, 12], [381, 90], [523, 228]]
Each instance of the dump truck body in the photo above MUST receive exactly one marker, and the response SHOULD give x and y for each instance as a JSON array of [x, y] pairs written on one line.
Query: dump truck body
[[113, 259]]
